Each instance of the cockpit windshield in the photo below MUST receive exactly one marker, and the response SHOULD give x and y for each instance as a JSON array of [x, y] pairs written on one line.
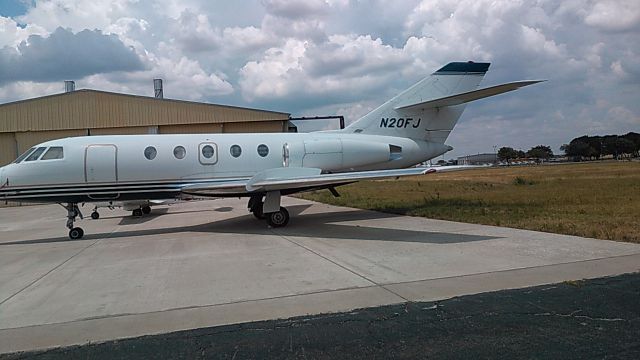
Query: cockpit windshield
[[24, 155], [51, 153], [36, 154], [54, 152]]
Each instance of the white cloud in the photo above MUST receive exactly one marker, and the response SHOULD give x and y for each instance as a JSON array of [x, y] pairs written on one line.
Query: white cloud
[[343, 64], [12, 35], [614, 15], [346, 57]]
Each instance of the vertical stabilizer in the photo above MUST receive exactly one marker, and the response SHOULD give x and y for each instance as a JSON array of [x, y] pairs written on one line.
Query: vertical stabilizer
[[397, 117]]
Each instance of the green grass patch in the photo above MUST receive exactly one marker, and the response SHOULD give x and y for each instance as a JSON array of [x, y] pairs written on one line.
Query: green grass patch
[[598, 200]]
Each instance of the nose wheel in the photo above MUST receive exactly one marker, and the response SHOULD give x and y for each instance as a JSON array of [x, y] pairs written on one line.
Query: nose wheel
[[76, 233], [72, 212]]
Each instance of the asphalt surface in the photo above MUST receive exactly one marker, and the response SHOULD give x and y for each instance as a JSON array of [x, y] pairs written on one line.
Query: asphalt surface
[[590, 319]]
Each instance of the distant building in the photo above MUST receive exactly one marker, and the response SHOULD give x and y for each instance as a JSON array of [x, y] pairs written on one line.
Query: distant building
[[478, 159]]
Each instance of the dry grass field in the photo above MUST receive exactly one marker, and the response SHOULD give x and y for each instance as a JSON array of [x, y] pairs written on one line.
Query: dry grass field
[[598, 200]]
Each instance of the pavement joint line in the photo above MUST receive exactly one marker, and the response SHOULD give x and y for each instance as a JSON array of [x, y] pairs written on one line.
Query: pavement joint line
[[54, 268], [512, 270], [342, 266], [290, 296]]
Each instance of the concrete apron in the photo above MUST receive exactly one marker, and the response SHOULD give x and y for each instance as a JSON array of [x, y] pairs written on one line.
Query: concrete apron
[[209, 263]]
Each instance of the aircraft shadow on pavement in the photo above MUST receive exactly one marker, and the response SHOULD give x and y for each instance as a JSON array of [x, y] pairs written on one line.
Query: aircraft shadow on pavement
[[317, 225]]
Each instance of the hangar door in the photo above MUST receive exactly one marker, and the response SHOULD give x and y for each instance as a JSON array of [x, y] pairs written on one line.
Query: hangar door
[[100, 163]]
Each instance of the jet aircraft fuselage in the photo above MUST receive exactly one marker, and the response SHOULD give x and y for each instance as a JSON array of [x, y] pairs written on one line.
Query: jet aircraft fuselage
[[408, 129]]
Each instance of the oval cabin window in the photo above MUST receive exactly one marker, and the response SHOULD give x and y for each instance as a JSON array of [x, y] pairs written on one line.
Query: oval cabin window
[[207, 151], [236, 150], [150, 152], [263, 150], [179, 152]]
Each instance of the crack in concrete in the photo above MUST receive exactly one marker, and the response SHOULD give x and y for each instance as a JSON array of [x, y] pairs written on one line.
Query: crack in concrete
[[573, 315], [342, 266]]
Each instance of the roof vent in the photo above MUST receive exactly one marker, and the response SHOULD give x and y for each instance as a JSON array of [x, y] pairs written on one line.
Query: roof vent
[[157, 88], [69, 86]]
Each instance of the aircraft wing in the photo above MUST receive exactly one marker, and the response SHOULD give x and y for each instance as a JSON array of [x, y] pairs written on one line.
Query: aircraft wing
[[305, 178]]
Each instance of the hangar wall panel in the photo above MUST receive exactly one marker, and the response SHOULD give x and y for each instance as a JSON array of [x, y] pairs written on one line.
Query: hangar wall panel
[[255, 126], [84, 109], [191, 129], [26, 140], [132, 130], [8, 148]]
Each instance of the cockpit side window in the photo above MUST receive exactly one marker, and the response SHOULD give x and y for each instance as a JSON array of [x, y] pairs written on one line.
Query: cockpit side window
[[24, 155], [54, 152], [36, 154]]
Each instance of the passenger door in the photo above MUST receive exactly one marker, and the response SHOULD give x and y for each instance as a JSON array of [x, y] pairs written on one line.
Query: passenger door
[[100, 163]]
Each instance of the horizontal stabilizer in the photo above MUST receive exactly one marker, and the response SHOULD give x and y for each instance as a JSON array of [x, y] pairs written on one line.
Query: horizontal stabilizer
[[466, 97]]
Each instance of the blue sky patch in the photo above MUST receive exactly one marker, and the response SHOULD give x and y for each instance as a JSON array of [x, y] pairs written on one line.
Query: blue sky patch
[[12, 8]]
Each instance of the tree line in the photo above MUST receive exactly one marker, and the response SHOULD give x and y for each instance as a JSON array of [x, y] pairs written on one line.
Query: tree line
[[542, 152], [595, 147], [583, 147]]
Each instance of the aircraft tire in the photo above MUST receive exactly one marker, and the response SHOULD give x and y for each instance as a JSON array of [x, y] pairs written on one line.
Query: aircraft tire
[[95, 215], [257, 212], [279, 218], [76, 233], [137, 212], [146, 209]]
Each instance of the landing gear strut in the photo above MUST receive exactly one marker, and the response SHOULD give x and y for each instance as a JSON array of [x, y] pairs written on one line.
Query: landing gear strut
[[72, 212], [270, 210]]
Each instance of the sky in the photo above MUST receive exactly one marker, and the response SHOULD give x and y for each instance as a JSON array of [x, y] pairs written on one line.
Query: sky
[[342, 57]]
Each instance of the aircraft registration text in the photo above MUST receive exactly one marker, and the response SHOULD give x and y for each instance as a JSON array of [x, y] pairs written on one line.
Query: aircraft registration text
[[400, 122]]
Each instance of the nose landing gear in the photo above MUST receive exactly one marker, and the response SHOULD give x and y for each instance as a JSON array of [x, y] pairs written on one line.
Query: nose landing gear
[[72, 212]]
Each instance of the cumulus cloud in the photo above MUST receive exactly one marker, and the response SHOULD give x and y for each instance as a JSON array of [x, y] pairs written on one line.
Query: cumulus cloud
[[297, 9], [346, 57], [65, 55], [614, 15], [12, 34], [343, 67]]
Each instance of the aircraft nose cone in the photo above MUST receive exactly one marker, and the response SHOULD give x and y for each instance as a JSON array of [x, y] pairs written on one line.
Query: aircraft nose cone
[[3, 180]]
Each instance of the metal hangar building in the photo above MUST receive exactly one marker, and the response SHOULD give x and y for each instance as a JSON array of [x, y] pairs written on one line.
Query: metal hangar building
[[90, 112]]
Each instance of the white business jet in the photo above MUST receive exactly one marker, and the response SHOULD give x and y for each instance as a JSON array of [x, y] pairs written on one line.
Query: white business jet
[[406, 130]]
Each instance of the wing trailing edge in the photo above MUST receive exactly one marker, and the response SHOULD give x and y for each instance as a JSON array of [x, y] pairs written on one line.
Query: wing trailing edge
[[305, 178]]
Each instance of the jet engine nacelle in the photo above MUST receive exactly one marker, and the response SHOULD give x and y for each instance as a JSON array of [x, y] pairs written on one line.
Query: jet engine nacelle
[[337, 154]]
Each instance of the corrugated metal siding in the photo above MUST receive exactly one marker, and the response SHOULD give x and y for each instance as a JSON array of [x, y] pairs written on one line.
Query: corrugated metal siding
[[191, 129], [255, 126], [133, 130], [96, 109], [28, 139], [8, 150]]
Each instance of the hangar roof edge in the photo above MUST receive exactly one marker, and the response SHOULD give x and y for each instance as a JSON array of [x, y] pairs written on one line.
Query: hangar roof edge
[[138, 96]]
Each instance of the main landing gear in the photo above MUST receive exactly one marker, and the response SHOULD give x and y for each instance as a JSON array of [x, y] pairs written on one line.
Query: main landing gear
[[269, 210], [143, 210], [72, 212]]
